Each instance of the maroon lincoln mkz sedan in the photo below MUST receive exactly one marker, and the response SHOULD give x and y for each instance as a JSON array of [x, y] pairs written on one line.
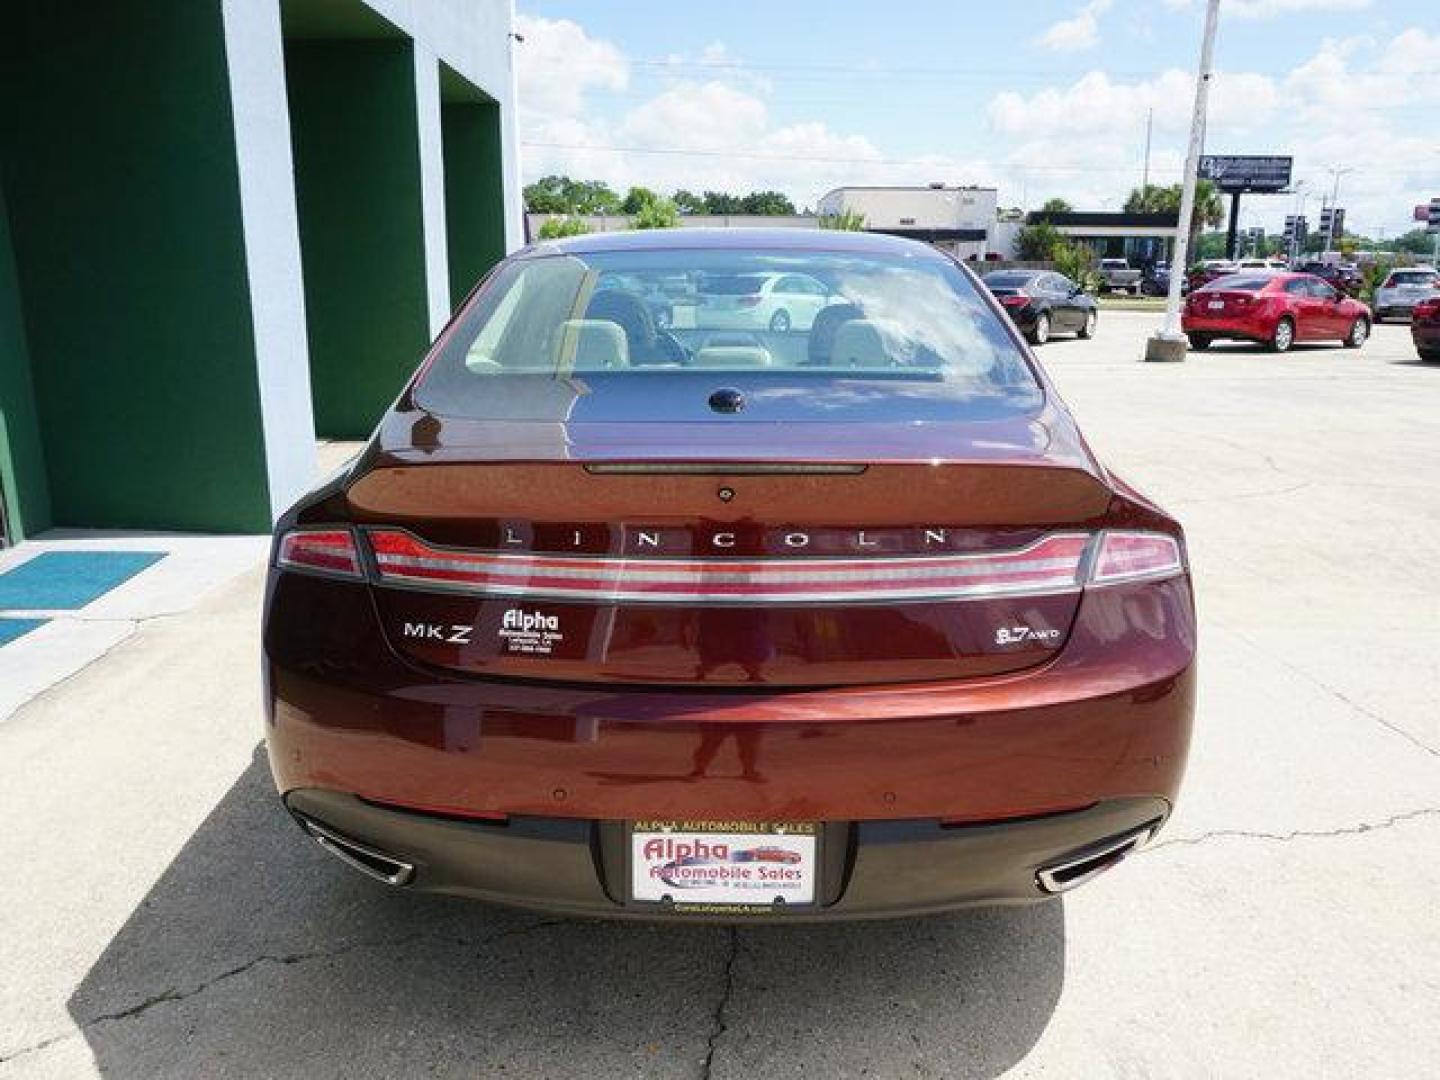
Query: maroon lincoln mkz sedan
[[823, 617]]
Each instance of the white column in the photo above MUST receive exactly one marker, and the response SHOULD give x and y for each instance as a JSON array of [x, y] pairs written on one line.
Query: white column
[[255, 56], [432, 186], [510, 144]]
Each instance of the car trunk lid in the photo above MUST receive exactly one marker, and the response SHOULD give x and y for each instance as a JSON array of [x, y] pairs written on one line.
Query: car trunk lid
[[712, 567]]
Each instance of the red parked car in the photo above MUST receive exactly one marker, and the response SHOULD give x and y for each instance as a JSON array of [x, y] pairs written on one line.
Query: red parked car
[[1276, 309], [603, 604], [1425, 329]]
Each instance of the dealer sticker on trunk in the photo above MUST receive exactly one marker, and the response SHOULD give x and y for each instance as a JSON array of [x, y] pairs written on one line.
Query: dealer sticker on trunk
[[723, 862]]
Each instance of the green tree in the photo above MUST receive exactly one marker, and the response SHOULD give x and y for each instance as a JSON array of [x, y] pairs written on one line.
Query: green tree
[[1056, 205], [1037, 242], [556, 227], [719, 202], [593, 197], [561, 195], [767, 202], [1077, 262], [1165, 199], [687, 202], [659, 214], [843, 221], [547, 195], [1416, 241], [637, 198]]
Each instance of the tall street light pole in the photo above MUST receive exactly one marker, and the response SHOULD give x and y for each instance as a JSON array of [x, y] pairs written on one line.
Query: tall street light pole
[[1337, 172], [1170, 343]]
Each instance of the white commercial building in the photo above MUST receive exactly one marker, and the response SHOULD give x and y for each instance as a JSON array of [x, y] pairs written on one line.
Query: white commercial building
[[958, 219]]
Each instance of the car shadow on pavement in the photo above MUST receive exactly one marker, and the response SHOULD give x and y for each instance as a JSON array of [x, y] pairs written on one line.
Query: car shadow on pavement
[[257, 954]]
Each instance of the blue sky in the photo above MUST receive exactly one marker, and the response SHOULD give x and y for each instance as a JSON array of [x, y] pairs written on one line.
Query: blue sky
[[1038, 97]]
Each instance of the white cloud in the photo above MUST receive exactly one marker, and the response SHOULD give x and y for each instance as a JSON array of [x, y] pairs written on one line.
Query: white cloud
[[1096, 104], [706, 121], [1332, 109], [558, 62], [724, 119], [697, 116], [1269, 9], [1079, 32]]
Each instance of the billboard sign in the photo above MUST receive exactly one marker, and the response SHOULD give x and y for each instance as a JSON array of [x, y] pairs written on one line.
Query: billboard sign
[[1234, 174]]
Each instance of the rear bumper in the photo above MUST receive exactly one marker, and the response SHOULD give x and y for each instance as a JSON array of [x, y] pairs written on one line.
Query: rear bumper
[[1105, 723], [1243, 329], [870, 869], [1399, 304]]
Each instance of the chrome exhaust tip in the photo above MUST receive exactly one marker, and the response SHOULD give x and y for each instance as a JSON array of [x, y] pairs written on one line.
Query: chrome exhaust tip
[[369, 861], [1091, 862]]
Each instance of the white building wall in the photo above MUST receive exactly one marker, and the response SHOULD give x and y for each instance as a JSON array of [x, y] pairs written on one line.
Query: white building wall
[[474, 38], [916, 208], [432, 187], [255, 57]]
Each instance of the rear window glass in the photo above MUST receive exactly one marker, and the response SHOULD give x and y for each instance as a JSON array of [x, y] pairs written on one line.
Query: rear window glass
[[1411, 277], [1239, 283], [1004, 280], [817, 335]]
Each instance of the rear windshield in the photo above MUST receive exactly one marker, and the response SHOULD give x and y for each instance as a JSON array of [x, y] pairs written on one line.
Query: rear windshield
[[1003, 280], [1412, 277], [1239, 283], [644, 335]]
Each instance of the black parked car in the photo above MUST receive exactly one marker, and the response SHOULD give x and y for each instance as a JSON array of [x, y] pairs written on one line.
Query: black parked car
[[1344, 276], [1156, 281], [1042, 303]]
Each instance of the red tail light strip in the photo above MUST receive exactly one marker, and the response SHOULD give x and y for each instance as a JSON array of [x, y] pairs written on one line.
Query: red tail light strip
[[320, 551], [1052, 564]]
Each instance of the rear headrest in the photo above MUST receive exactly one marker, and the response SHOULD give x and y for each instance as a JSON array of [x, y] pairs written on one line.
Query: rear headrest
[[731, 356], [865, 343], [595, 344], [822, 331]]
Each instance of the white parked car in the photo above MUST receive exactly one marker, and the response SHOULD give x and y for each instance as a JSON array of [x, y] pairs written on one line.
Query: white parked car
[[1403, 289], [777, 302], [1260, 264]]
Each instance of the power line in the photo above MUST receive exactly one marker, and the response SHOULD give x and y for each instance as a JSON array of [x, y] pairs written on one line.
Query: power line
[[677, 151], [820, 159]]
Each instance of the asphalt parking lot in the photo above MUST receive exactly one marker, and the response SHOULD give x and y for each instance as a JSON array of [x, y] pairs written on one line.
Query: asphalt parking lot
[[162, 917]]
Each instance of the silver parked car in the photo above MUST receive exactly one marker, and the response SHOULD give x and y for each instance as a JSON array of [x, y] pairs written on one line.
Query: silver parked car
[[1403, 289]]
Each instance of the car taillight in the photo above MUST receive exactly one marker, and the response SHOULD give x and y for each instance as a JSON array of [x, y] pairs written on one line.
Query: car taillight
[[749, 301], [1427, 309], [1135, 556], [1052, 564], [1014, 301], [323, 551]]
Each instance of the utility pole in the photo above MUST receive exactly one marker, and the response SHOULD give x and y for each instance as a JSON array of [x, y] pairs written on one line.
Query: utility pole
[[1170, 343], [1149, 129]]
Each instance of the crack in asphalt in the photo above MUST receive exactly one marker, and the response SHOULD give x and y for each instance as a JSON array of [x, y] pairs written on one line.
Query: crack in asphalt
[[1338, 695], [719, 1024], [1298, 834], [174, 994]]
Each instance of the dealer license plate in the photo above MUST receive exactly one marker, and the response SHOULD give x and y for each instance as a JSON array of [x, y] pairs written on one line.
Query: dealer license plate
[[724, 862], [1216, 305]]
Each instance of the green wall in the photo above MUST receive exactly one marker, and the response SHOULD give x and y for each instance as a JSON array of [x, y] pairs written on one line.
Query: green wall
[[357, 181], [474, 192], [22, 460], [120, 173]]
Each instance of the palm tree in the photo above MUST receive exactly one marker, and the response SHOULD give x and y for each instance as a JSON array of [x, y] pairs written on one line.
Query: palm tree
[[1209, 209]]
